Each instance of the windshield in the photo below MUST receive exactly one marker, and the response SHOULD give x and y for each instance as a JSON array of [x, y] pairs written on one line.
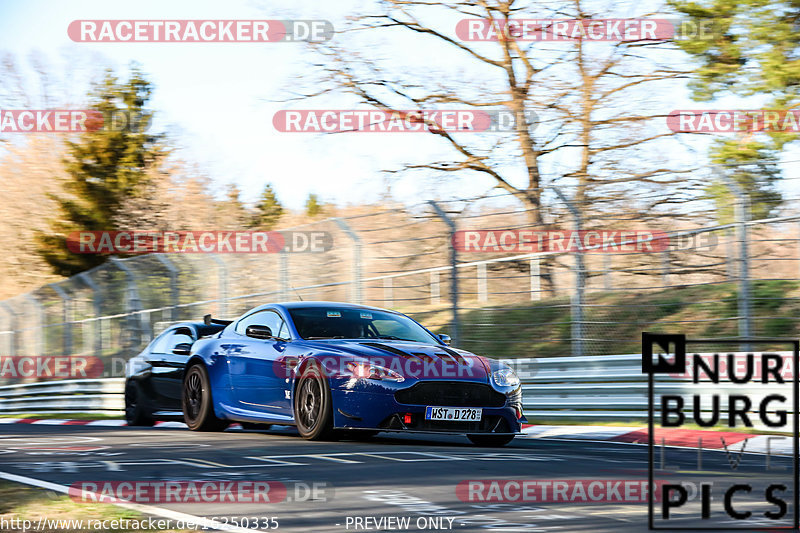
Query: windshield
[[347, 323]]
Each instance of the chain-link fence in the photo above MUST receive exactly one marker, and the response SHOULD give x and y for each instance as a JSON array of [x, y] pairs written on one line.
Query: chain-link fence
[[705, 280]]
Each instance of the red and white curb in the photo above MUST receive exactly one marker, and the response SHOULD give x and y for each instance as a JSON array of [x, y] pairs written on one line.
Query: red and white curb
[[94, 423], [676, 437]]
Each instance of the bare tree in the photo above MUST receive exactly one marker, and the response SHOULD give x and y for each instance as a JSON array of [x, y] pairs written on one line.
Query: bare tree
[[574, 123]]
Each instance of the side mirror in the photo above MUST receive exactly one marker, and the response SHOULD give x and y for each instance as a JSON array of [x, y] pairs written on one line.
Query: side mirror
[[258, 332], [444, 338], [182, 348]]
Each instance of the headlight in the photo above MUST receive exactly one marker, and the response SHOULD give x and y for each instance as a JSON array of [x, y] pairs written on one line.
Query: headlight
[[505, 377], [370, 371]]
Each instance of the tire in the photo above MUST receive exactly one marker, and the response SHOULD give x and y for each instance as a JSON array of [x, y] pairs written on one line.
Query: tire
[[197, 403], [253, 425], [135, 412], [490, 441], [313, 407]]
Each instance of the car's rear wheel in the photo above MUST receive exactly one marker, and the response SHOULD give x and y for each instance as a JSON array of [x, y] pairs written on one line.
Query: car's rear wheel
[[490, 441], [197, 403], [313, 409], [135, 412]]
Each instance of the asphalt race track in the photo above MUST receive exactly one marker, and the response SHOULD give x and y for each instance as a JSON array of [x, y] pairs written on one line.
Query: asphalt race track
[[414, 477]]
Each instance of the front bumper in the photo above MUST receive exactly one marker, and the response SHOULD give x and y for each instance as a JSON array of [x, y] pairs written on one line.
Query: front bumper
[[371, 405]]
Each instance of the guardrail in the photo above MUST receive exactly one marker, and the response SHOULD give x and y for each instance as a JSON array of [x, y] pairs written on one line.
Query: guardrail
[[104, 396], [600, 388], [590, 388]]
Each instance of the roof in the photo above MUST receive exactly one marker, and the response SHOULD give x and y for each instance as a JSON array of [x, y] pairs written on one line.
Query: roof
[[295, 305]]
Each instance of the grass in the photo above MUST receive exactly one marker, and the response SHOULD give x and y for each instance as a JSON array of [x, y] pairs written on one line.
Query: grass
[[614, 321], [29, 503]]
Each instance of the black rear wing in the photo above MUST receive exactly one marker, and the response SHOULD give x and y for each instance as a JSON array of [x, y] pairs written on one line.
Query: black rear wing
[[207, 320]]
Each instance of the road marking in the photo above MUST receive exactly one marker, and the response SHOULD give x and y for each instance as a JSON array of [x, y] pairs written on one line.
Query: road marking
[[204, 461], [328, 457], [44, 441], [60, 448], [144, 509], [401, 460], [275, 462], [169, 444]]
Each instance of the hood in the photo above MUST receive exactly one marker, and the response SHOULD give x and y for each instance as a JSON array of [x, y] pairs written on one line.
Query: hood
[[413, 360]]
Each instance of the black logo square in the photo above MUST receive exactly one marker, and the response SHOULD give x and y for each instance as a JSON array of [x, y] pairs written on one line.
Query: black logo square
[[671, 350]]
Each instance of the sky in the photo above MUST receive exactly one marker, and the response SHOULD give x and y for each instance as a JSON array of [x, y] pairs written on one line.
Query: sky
[[217, 100]]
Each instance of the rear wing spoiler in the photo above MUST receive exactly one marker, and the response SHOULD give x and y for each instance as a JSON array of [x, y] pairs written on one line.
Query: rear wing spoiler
[[207, 320]]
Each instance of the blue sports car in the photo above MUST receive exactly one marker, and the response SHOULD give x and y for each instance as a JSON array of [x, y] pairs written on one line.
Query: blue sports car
[[330, 369]]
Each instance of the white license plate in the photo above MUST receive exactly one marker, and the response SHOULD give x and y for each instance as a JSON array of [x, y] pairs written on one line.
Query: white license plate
[[453, 413]]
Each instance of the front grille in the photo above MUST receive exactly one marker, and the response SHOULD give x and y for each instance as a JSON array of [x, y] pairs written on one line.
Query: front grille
[[451, 394]]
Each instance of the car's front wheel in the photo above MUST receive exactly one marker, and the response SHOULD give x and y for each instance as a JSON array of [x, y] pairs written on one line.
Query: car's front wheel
[[135, 412], [313, 409], [490, 441], [196, 401]]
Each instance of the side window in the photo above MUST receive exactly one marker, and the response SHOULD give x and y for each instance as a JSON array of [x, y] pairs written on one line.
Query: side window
[[271, 319], [160, 344], [284, 331], [181, 335], [170, 338]]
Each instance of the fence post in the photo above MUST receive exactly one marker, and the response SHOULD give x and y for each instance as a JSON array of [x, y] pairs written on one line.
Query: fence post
[[454, 333], [388, 293], [134, 303], [67, 330], [536, 280], [577, 300], [729, 266], [606, 270], [12, 328], [174, 287], [97, 303], [436, 292], [483, 289], [40, 317], [357, 292], [665, 264], [742, 214], [222, 285], [284, 274]]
